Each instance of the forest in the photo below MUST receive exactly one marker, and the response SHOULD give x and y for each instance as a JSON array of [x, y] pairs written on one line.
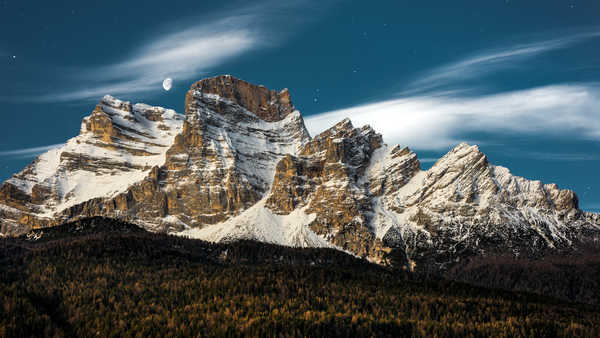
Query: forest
[[101, 277]]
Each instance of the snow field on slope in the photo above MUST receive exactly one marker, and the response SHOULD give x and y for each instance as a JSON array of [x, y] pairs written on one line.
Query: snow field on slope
[[261, 224]]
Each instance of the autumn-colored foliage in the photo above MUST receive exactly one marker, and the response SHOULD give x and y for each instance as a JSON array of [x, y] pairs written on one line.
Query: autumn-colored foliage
[[115, 283]]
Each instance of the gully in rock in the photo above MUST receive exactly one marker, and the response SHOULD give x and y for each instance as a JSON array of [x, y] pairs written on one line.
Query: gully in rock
[[241, 165]]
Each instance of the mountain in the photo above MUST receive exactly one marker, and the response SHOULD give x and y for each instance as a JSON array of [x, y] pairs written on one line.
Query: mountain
[[241, 165], [118, 145]]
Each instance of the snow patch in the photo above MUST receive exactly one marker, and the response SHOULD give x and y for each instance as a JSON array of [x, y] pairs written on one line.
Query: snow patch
[[102, 170], [261, 224]]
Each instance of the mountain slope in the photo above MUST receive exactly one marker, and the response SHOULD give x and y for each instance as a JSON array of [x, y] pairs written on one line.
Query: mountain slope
[[241, 165], [464, 205], [101, 277], [118, 145]]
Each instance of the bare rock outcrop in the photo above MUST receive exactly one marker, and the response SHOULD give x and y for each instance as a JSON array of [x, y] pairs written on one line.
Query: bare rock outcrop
[[240, 164]]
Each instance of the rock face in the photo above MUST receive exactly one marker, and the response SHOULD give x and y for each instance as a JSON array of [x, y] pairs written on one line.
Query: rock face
[[223, 160], [157, 168], [240, 164], [117, 146], [268, 105], [327, 178], [465, 206]]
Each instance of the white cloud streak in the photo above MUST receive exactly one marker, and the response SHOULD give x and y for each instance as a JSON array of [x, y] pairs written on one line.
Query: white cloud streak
[[437, 122], [493, 60], [181, 55], [428, 159], [562, 156], [435, 111], [190, 50], [29, 152]]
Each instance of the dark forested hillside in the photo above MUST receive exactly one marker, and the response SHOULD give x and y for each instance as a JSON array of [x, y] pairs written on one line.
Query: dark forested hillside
[[99, 277], [572, 276]]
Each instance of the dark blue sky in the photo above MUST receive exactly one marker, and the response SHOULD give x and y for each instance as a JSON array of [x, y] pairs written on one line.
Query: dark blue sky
[[519, 78]]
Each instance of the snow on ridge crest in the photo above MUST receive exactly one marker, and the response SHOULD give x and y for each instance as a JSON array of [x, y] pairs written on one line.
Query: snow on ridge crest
[[241, 164], [117, 146]]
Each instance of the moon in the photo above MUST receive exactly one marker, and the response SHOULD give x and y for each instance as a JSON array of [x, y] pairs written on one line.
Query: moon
[[167, 84]]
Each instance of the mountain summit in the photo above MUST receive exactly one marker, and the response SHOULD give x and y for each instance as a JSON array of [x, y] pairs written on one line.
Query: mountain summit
[[241, 165]]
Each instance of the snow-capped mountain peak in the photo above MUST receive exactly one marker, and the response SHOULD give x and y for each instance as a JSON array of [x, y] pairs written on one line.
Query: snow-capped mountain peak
[[240, 164]]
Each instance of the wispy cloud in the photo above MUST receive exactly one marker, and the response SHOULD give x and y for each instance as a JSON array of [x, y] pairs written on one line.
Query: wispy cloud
[[489, 61], [546, 156], [440, 109], [190, 49], [28, 152], [535, 155], [437, 122], [180, 55]]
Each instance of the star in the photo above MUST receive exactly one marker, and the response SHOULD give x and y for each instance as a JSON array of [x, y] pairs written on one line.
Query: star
[[14, 57], [572, 6], [315, 99]]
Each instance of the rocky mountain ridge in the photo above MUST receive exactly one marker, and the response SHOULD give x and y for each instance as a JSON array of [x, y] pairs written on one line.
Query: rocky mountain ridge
[[241, 165]]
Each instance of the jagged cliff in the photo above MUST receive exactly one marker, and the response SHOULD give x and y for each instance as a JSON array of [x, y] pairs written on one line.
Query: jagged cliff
[[240, 164], [117, 146]]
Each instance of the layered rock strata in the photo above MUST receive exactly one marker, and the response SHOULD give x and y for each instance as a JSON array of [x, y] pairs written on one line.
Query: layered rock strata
[[241, 165]]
